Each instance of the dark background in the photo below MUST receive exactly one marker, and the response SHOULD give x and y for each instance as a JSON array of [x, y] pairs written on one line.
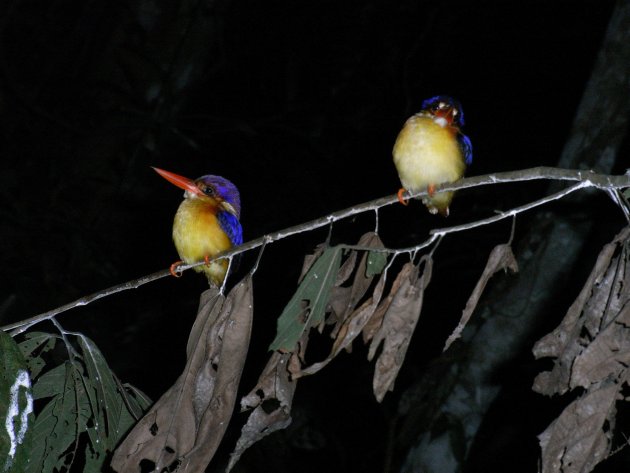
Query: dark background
[[298, 103]]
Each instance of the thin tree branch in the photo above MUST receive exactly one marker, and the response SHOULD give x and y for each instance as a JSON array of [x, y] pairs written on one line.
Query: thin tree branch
[[583, 177], [21, 326], [513, 212]]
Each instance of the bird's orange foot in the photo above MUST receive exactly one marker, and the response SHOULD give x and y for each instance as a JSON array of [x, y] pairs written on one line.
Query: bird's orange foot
[[207, 260], [431, 190], [175, 269], [400, 196]]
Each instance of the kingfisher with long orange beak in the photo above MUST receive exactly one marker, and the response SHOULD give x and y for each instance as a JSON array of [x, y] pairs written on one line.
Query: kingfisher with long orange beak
[[206, 222], [431, 150]]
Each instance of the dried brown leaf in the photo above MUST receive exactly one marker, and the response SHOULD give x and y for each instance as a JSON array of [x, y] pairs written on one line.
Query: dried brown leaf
[[592, 351], [310, 259], [346, 268], [580, 437], [337, 303], [598, 305], [500, 258], [607, 356], [373, 324], [362, 281], [398, 325], [353, 325], [349, 329], [348, 319], [344, 299], [184, 427], [339, 294], [271, 400]]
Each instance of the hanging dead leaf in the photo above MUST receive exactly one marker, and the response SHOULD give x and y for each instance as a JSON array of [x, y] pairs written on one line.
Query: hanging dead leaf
[[399, 323], [604, 293], [607, 356], [346, 268], [184, 427], [271, 400], [310, 259], [350, 329], [591, 351], [501, 258], [580, 437], [375, 322], [362, 280], [343, 300], [339, 293], [349, 320]]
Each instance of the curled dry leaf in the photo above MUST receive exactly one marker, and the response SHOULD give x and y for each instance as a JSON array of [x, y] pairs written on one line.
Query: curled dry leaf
[[608, 355], [592, 351], [580, 437], [320, 292], [399, 323], [350, 320], [184, 427], [365, 272], [500, 258], [339, 293], [310, 259], [374, 322], [270, 400], [272, 397], [591, 316], [349, 329]]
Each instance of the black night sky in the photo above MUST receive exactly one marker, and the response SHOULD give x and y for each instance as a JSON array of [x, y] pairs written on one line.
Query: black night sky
[[298, 103]]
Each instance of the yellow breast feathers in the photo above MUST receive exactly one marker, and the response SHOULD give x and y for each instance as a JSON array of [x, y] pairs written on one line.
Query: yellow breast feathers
[[427, 153], [197, 233]]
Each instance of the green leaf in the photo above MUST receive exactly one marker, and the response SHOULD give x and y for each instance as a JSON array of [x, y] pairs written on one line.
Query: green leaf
[[115, 408], [86, 399], [59, 424], [106, 400], [35, 345], [16, 407], [50, 383], [308, 305], [375, 263], [137, 404]]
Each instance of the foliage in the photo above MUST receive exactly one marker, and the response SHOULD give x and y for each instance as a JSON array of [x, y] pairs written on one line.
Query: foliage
[[82, 408], [591, 356], [185, 426], [16, 407], [83, 411]]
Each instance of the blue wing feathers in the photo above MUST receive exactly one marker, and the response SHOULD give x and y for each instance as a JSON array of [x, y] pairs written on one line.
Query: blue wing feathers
[[466, 146], [231, 226]]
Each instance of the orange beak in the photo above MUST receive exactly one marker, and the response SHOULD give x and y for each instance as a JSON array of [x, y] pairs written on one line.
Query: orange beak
[[180, 181]]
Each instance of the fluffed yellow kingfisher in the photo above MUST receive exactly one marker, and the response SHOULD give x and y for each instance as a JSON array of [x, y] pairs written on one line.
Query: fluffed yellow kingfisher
[[431, 150], [206, 222]]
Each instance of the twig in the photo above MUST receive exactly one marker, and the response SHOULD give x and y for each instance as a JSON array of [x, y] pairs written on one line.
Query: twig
[[513, 212], [23, 325], [584, 178]]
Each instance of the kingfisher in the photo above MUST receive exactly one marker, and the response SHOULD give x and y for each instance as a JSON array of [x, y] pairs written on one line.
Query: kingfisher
[[431, 150], [206, 222]]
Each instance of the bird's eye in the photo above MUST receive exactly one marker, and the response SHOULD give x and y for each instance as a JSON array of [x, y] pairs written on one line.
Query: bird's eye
[[209, 191], [441, 105]]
